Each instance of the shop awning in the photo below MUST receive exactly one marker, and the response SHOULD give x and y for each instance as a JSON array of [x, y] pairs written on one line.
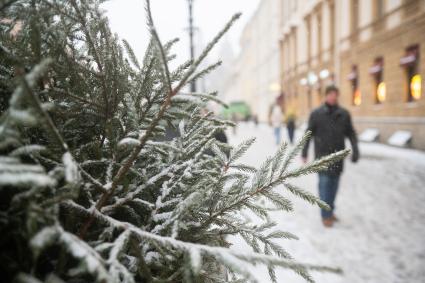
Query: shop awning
[[375, 69], [411, 57], [408, 60], [352, 76]]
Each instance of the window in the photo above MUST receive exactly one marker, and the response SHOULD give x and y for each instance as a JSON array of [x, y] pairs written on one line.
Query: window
[[378, 13], [319, 35], [379, 8], [416, 87], [354, 15], [332, 23], [381, 92], [377, 71], [353, 77], [410, 62], [309, 38]]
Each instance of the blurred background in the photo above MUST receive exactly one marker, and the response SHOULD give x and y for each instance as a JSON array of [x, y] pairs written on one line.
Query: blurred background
[[286, 52], [291, 50]]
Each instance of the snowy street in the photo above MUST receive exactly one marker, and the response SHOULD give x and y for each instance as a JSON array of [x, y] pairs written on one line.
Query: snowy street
[[381, 234]]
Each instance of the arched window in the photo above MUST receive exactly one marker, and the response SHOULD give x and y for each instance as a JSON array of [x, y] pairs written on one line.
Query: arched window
[[353, 77], [410, 62], [377, 72]]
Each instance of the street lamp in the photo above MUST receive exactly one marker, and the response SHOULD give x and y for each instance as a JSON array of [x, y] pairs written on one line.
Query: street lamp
[[312, 79], [324, 74]]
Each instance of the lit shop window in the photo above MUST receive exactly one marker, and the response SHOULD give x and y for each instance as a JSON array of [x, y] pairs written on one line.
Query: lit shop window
[[357, 98], [416, 87], [381, 92], [377, 72], [410, 62], [353, 77]]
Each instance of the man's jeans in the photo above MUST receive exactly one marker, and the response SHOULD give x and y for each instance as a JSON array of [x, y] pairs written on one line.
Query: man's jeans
[[277, 135], [328, 188]]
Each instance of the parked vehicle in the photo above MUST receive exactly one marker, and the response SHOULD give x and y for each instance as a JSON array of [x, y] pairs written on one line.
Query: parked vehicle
[[237, 110]]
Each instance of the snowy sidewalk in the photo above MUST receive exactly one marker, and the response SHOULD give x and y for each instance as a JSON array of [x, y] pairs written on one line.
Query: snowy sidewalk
[[381, 205]]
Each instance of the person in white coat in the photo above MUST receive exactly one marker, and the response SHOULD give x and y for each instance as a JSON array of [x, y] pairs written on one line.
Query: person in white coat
[[276, 117]]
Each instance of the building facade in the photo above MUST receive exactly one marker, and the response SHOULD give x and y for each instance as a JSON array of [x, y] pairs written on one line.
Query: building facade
[[374, 51], [255, 76]]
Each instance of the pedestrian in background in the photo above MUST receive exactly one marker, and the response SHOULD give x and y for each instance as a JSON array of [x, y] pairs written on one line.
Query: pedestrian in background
[[275, 120], [330, 124], [290, 124], [255, 119]]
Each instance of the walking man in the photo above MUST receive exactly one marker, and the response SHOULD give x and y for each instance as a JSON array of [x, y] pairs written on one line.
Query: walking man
[[330, 124]]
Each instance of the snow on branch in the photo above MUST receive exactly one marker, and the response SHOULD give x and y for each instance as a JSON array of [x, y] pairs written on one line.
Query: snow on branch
[[229, 257], [51, 235], [13, 172], [72, 175]]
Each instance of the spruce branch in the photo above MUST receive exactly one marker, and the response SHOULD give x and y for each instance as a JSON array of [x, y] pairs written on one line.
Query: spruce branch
[[204, 72], [95, 105], [206, 51], [300, 145], [94, 50], [219, 252], [26, 83], [159, 47], [265, 189], [317, 165], [122, 172], [131, 54], [144, 269], [6, 4]]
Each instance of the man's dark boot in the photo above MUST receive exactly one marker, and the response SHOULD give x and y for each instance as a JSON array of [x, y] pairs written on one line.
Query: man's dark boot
[[334, 218], [328, 222]]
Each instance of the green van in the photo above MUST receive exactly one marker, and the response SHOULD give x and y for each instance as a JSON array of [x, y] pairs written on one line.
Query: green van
[[238, 110]]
